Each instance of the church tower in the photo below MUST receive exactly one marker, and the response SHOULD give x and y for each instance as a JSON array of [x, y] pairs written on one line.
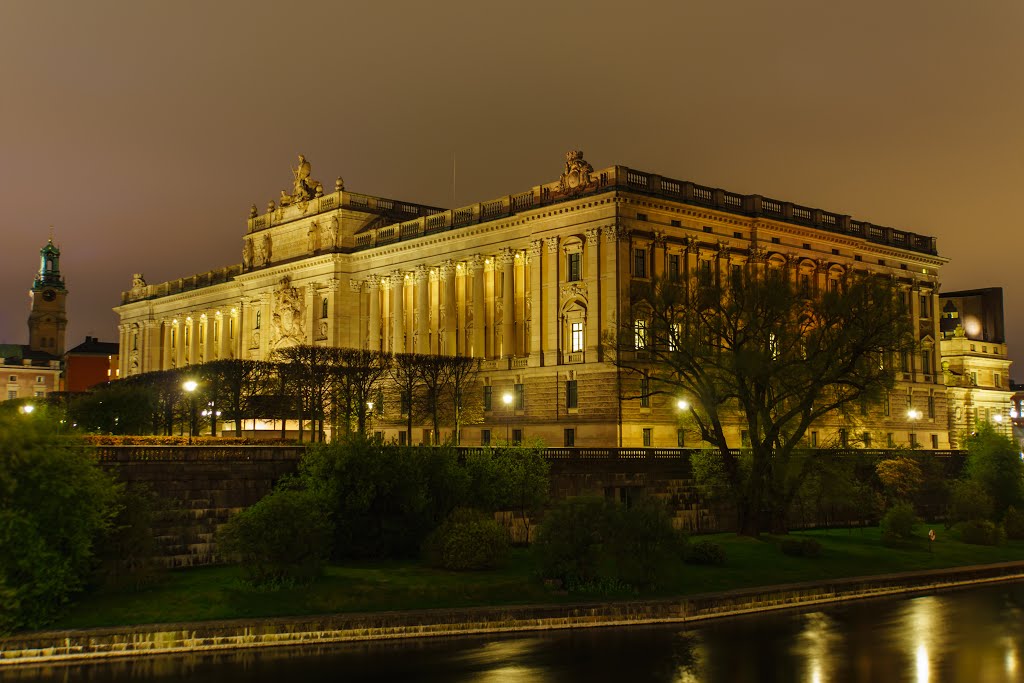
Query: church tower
[[48, 320]]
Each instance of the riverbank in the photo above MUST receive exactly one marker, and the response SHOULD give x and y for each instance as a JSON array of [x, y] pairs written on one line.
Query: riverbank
[[103, 643]]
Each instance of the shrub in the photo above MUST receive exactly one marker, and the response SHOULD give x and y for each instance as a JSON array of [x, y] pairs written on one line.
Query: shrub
[[642, 543], [55, 503], [569, 541], [978, 532], [467, 540], [704, 552], [801, 547], [969, 500], [899, 522], [993, 460], [900, 477], [128, 551], [1013, 523], [282, 539]]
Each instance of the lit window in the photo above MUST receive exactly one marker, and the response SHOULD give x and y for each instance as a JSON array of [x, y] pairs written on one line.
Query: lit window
[[576, 337], [640, 334]]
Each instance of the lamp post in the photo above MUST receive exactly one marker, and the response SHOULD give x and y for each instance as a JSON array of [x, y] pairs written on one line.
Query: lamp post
[[913, 415], [190, 388], [506, 398], [27, 409]]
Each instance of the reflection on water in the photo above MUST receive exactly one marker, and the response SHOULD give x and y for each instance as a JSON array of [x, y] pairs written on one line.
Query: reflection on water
[[972, 636]]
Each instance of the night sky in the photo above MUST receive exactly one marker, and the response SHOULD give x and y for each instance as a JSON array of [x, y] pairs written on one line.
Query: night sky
[[142, 131]]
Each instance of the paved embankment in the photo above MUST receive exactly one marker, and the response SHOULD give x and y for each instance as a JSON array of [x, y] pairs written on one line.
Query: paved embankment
[[56, 646]]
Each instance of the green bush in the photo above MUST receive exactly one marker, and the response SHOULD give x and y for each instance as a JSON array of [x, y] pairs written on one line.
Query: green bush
[[969, 500], [570, 541], [1013, 523], [467, 540], [281, 540], [979, 532], [642, 543], [993, 460], [55, 504], [704, 552], [801, 547], [899, 523]]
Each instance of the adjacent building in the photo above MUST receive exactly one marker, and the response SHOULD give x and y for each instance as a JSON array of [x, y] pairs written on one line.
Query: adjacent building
[[90, 363], [975, 362]]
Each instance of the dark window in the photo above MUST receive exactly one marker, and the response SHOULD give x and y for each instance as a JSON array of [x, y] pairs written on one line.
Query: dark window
[[886, 408], [881, 261], [738, 235], [867, 439], [736, 273], [401, 438], [641, 216], [673, 267], [677, 224], [404, 405], [569, 438], [844, 439], [640, 263], [571, 397], [648, 433], [856, 257], [931, 406], [935, 441], [323, 308], [485, 437], [776, 240], [487, 396], [574, 267], [681, 438], [259, 318], [517, 436], [814, 439], [835, 251], [708, 228], [705, 272], [520, 400], [645, 392]]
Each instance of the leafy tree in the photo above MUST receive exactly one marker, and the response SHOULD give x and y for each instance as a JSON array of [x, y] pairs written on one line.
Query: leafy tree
[[404, 374], [523, 485], [360, 373], [464, 383], [435, 378], [55, 502], [115, 408], [900, 477], [784, 356], [994, 462]]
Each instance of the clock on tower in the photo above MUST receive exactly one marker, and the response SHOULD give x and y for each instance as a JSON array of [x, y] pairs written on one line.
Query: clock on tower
[[48, 319]]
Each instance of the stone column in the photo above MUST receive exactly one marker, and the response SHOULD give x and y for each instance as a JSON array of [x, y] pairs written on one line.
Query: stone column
[[194, 346], [422, 279], [550, 303], [534, 313], [373, 288], [592, 277], [477, 320], [398, 310], [506, 260], [447, 309], [210, 352], [165, 345], [915, 321], [356, 331]]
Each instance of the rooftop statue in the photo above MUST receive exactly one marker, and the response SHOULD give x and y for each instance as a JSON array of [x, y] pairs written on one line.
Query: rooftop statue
[[304, 187]]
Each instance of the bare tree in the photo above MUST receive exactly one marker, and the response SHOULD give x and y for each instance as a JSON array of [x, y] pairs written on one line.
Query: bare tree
[[785, 356], [359, 373], [310, 372], [235, 385], [404, 374], [464, 386], [435, 378]]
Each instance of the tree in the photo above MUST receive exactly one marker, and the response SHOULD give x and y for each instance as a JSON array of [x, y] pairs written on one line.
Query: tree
[[994, 462], [463, 382], [236, 384], [404, 373], [435, 377], [310, 371], [55, 504], [360, 372], [784, 356]]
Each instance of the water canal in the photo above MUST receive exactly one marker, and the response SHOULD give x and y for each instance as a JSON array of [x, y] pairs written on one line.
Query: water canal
[[967, 636]]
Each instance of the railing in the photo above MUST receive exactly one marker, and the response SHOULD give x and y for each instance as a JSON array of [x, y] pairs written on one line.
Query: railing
[[177, 453]]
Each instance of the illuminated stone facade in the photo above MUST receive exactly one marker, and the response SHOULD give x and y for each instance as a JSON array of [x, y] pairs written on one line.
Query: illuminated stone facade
[[975, 362], [530, 283]]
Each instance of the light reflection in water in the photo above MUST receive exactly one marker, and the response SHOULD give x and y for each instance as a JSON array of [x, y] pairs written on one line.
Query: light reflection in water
[[818, 644]]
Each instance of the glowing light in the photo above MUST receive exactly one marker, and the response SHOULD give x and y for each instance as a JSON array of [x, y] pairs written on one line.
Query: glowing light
[[27, 409], [682, 404], [913, 414], [998, 418], [506, 398], [923, 674], [190, 385]]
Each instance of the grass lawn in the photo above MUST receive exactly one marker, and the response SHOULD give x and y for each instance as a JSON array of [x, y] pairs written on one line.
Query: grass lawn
[[219, 593]]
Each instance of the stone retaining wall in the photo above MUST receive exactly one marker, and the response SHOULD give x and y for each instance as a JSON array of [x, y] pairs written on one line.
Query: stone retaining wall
[[57, 646]]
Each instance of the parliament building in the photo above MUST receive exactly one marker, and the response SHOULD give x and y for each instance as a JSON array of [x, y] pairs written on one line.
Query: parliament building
[[530, 283]]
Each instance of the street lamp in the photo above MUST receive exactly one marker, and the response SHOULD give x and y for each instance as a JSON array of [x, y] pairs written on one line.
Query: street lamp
[[682, 404], [190, 387], [506, 398], [913, 415], [27, 409]]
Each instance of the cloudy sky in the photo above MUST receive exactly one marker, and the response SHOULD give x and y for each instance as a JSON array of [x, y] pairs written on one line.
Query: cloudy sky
[[142, 131]]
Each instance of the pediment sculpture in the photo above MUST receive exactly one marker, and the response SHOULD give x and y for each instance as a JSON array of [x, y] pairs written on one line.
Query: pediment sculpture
[[577, 173], [304, 187]]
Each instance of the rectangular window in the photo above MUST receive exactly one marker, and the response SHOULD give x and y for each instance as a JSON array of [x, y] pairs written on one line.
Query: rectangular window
[[576, 337], [174, 338], [569, 438], [704, 272], [913, 439], [997, 380], [12, 393], [673, 267], [890, 441], [926, 309], [403, 405], [814, 439], [485, 437], [676, 224], [202, 334], [39, 379], [974, 377], [866, 438], [935, 442], [639, 262], [575, 272], [216, 330], [805, 284], [681, 438], [231, 328], [520, 399], [844, 439], [675, 334], [736, 275], [833, 286], [517, 436], [640, 334], [886, 407], [645, 392], [931, 406], [12, 378], [402, 438], [926, 361], [487, 396], [571, 397], [648, 434]]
